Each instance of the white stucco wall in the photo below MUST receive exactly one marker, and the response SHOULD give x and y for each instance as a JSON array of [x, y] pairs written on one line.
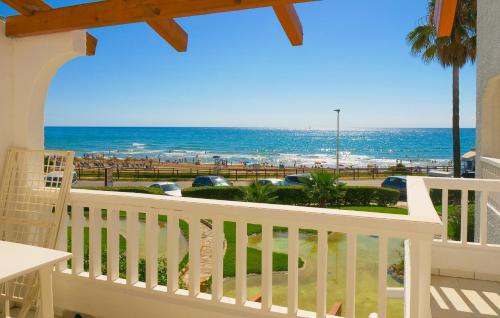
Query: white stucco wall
[[27, 66], [488, 78], [488, 98]]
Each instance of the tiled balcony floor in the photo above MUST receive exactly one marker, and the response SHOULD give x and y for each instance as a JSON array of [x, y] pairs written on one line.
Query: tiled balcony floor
[[457, 298]]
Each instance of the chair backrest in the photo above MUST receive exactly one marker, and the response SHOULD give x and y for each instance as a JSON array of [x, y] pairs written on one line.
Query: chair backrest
[[34, 188], [33, 192]]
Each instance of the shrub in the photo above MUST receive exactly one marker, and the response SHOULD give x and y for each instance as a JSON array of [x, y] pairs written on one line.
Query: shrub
[[365, 195], [321, 188], [359, 195], [385, 197], [455, 221], [145, 190], [260, 193], [216, 193], [453, 196], [293, 195]]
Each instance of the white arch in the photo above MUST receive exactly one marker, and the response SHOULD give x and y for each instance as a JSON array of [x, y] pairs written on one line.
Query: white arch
[[27, 66]]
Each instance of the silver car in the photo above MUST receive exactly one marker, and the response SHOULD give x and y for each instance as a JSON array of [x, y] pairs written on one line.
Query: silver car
[[169, 188]]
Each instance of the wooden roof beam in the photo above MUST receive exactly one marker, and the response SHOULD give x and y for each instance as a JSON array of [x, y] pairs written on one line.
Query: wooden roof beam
[[171, 32], [290, 22], [91, 44], [166, 28], [106, 13], [444, 16], [27, 7], [30, 7]]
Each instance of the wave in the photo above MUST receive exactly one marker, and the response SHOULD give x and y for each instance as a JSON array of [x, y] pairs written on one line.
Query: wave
[[347, 159]]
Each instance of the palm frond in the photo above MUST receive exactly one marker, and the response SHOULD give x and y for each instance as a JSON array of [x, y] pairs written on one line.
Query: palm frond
[[458, 49]]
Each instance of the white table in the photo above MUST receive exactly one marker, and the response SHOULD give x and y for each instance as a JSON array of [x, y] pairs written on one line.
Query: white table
[[18, 259]]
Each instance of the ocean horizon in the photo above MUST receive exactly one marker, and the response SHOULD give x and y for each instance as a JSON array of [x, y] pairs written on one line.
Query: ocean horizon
[[358, 147]]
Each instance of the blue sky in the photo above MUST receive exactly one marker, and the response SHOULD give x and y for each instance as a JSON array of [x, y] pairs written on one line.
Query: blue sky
[[240, 70]]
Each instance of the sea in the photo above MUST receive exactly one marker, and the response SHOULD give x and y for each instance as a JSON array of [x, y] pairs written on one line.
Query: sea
[[358, 148]]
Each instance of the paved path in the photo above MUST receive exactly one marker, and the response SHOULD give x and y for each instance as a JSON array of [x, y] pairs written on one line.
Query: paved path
[[207, 238]]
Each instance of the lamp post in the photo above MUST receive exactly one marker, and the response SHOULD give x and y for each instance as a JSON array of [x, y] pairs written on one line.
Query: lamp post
[[338, 131]]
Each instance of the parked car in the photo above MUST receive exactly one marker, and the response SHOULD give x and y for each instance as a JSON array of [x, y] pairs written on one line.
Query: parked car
[[297, 179], [211, 181], [169, 188], [275, 182], [54, 178], [398, 183]]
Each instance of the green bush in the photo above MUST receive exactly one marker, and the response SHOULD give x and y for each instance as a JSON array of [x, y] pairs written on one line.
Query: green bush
[[283, 195], [294, 195], [453, 196], [359, 195], [365, 195], [216, 193], [385, 197], [297, 195], [455, 221], [145, 190], [260, 193]]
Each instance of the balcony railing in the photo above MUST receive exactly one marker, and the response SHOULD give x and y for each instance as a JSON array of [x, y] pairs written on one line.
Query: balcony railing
[[465, 205], [110, 295]]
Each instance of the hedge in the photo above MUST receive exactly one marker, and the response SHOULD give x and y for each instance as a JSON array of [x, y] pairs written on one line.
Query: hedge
[[296, 195], [217, 193], [293, 195], [145, 190], [365, 195]]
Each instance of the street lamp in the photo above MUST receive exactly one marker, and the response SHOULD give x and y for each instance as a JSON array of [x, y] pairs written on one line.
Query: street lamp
[[338, 130]]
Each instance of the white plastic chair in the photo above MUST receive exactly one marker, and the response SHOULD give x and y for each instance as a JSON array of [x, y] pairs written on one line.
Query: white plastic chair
[[33, 191]]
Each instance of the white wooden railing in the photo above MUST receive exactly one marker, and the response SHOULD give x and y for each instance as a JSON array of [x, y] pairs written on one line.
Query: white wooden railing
[[92, 293], [466, 256]]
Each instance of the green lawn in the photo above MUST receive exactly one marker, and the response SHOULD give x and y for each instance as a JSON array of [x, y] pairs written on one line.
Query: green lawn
[[254, 256], [374, 208]]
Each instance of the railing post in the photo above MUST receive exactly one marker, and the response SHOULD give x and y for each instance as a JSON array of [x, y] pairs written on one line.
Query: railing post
[[77, 223], [417, 278], [95, 242], [113, 244], [241, 263]]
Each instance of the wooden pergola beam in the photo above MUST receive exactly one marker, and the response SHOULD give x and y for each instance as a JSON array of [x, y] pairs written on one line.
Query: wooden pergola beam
[[290, 22], [166, 28], [27, 7], [91, 44], [30, 7], [444, 16], [106, 13], [171, 32]]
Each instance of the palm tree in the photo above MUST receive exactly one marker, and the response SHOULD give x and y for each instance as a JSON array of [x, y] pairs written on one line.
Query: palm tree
[[455, 51], [322, 188], [260, 193]]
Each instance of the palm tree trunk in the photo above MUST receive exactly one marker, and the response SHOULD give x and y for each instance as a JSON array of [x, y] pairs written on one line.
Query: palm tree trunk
[[456, 122]]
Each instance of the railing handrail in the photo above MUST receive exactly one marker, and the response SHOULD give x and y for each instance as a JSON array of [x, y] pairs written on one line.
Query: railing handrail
[[490, 185], [492, 161], [405, 226]]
